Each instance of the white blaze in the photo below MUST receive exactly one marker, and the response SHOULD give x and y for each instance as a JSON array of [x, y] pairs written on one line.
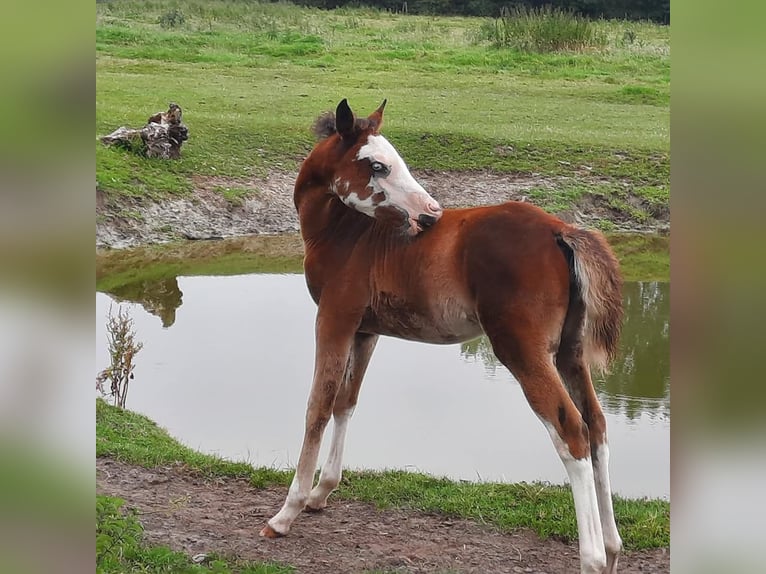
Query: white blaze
[[400, 188]]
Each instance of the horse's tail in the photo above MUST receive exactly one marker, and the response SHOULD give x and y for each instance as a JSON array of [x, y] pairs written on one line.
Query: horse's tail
[[596, 273]]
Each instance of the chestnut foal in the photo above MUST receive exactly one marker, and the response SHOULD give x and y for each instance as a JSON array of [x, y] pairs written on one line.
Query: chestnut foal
[[383, 258]]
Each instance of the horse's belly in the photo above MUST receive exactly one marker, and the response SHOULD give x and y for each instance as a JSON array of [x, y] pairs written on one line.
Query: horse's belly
[[446, 323]]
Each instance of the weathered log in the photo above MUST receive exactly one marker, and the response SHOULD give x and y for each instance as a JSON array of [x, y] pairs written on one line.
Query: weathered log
[[161, 137]]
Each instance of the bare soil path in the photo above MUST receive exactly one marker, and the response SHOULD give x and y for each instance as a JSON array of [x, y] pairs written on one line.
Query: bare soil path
[[195, 515]]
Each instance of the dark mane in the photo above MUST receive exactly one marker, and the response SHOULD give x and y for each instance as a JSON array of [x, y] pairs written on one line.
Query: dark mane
[[324, 125]]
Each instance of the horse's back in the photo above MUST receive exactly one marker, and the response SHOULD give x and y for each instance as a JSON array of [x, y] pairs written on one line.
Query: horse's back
[[513, 239], [481, 250], [509, 218]]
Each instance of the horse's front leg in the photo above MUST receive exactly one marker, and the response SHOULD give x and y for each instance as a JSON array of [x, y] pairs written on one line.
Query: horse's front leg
[[333, 348], [345, 403]]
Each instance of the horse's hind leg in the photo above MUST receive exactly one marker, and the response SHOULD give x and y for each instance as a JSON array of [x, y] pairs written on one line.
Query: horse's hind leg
[[576, 375], [345, 403], [523, 347]]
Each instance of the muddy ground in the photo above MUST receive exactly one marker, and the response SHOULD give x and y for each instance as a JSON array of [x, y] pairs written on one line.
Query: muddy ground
[[268, 207], [198, 516]]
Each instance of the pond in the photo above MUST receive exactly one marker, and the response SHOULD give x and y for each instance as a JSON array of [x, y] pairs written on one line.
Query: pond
[[227, 363]]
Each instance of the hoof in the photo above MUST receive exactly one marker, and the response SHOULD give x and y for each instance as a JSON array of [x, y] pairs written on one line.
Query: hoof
[[268, 532], [313, 510]]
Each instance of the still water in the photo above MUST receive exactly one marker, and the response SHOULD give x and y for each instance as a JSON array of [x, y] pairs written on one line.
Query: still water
[[227, 362]]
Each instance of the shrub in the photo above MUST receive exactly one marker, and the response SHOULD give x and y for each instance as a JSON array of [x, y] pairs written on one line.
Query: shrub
[[123, 348], [543, 29], [172, 19]]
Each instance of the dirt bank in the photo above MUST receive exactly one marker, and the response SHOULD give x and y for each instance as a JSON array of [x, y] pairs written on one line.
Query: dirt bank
[[267, 207], [198, 516]]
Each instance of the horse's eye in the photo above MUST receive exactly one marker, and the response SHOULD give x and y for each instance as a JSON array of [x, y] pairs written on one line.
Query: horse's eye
[[377, 166]]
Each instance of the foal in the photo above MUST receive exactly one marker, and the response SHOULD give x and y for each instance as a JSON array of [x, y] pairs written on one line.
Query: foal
[[383, 258]]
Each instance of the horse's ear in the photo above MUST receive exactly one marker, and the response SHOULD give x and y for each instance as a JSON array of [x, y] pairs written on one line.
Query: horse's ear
[[376, 117], [344, 119]]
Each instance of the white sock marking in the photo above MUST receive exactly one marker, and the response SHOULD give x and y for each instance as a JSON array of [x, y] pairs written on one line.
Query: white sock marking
[[580, 471], [612, 540], [331, 473]]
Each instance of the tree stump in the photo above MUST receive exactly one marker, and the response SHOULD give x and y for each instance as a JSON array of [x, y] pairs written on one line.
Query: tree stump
[[161, 137]]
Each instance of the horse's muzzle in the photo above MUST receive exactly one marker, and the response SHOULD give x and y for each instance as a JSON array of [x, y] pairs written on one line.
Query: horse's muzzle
[[426, 221]]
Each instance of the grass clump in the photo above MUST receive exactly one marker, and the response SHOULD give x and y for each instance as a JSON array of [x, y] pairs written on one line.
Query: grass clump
[[547, 509], [543, 29], [235, 195]]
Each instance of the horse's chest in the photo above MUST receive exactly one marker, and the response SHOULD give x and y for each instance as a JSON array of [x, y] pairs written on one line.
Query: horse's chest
[[446, 321]]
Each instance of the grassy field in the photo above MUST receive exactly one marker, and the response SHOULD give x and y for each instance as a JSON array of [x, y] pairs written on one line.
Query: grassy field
[[545, 508], [252, 77]]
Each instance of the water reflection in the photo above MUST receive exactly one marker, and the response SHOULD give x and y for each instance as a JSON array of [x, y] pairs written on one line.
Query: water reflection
[[640, 377], [639, 380], [160, 298], [231, 376]]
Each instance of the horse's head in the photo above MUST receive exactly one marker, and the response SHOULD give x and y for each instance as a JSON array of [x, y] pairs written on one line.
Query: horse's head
[[371, 176]]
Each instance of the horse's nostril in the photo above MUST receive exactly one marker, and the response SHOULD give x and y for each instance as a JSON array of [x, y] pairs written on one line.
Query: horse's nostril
[[426, 221], [434, 208]]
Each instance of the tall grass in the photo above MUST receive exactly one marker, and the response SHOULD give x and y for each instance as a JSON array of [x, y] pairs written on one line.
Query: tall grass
[[543, 29]]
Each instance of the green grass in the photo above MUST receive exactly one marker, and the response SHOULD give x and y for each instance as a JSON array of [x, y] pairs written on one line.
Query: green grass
[[128, 436], [234, 194], [252, 77], [119, 269], [547, 509], [642, 257], [119, 549]]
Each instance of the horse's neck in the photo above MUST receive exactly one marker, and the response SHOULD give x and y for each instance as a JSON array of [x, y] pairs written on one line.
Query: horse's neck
[[324, 219]]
